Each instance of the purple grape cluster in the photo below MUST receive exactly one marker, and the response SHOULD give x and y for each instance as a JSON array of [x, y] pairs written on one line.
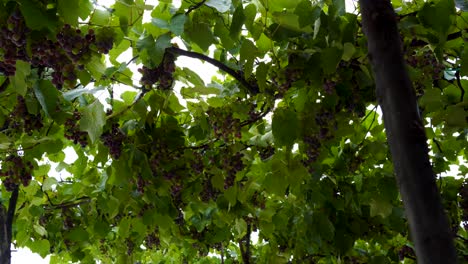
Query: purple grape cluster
[[266, 152], [162, 74], [15, 171], [152, 240], [114, 139], [232, 165], [72, 130], [225, 126], [104, 40], [209, 192], [329, 86], [13, 43], [65, 55], [312, 144], [406, 251], [20, 120]]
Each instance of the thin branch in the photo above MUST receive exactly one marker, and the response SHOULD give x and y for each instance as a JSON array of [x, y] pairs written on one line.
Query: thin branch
[[66, 205], [236, 74], [437, 144], [4, 85], [462, 95], [195, 6]]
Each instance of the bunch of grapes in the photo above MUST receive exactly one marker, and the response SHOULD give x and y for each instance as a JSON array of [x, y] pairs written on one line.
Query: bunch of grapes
[[406, 251], [232, 165], [15, 172], [329, 86], [266, 152], [224, 125], [13, 43], [72, 131], [20, 120], [312, 144], [104, 40], [323, 119], [113, 139], [176, 194], [162, 74], [64, 55], [152, 240], [209, 192]]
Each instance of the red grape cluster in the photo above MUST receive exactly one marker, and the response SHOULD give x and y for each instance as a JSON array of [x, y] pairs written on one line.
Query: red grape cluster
[[266, 152], [65, 55], [323, 119], [406, 251], [329, 86], [113, 139], [13, 43], [15, 171], [20, 120], [72, 130], [104, 40], [232, 164], [209, 192], [162, 74], [312, 144], [152, 240], [224, 125]]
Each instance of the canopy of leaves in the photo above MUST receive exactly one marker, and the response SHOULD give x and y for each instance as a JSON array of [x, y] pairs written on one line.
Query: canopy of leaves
[[285, 142]]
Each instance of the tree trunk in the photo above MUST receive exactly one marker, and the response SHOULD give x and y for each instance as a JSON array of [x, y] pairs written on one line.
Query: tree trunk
[[6, 223], [429, 227], [5, 253]]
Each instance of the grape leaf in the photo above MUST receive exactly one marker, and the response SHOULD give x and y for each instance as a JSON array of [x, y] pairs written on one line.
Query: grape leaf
[[93, 119]]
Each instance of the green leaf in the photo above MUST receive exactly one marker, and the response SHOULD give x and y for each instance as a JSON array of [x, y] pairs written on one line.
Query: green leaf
[[47, 95], [330, 57], [380, 207], [220, 5], [202, 35], [73, 94], [238, 20], [35, 15], [40, 246], [241, 227], [93, 119], [23, 70], [348, 51], [177, 24], [78, 234], [248, 54], [438, 16], [68, 10], [285, 126], [48, 183]]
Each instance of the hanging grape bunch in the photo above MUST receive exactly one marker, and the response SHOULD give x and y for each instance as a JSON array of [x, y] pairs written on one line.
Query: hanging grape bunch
[[225, 126], [312, 145], [162, 74], [232, 164], [72, 130], [113, 139], [104, 39], [20, 120], [12, 43], [15, 171]]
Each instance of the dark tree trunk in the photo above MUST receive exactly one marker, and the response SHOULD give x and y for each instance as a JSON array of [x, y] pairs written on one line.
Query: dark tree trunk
[[6, 223], [429, 227]]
